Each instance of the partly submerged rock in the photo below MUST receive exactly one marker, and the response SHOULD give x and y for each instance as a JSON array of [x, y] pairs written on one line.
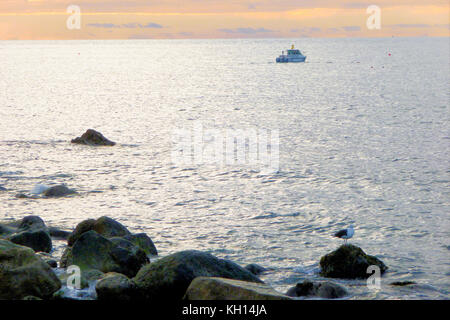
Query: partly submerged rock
[[116, 286], [93, 138], [32, 232], [214, 288], [402, 283], [349, 262], [326, 289], [6, 230], [254, 268], [23, 273], [58, 233], [93, 251], [38, 240], [58, 191], [105, 226], [142, 241], [169, 277], [32, 222]]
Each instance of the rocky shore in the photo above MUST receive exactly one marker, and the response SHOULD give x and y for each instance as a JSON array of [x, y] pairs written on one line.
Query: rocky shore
[[120, 265]]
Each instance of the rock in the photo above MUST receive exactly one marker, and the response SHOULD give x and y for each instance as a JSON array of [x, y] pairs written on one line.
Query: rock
[[38, 240], [169, 277], [142, 241], [108, 227], [21, 196], [349, 262], [93, 138], [255, 268], [48, 259], [52, 263], [105, 226], [213, 288], [6, 230], [93, 251], [57, 233], [31, 298], [58, 191], [32, 233], [66, 257], [326, 290], [116, 286], [23, 273], [82, 227], [32, 223], [402, 283]]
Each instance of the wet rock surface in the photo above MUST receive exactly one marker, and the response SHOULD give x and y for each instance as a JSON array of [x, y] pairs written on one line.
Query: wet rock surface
[[349, 262], [93, 138]]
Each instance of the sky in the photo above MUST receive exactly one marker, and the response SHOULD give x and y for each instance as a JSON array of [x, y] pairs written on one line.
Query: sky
[[208, 19]]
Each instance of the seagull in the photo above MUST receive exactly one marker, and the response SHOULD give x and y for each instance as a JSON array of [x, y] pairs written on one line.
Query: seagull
[[345, 233]]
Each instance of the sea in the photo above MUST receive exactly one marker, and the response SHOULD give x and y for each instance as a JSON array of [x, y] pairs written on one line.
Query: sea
[[360, 136]]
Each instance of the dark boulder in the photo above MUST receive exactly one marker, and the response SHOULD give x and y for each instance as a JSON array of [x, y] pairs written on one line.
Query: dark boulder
[[116, 286], [169, 277], [6, 230], [93, 251], [58, 191], [82, 227], [349, 262], [33, 233], [23, 273], [144, 242], [105, 226], [212, 288], [255, 268], [326, 290], [402, 283], [32, 222], [38, 240], [58, 233], [93, 138]]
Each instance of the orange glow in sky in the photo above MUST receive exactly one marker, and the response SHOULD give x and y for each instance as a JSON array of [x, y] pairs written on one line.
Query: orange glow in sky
[[178, 19]]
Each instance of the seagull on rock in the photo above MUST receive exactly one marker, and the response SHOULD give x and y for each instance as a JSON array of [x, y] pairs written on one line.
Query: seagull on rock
[[345, 233]]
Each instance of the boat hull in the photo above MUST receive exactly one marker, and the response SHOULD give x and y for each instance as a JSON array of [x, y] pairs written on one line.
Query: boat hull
[[286, 60]]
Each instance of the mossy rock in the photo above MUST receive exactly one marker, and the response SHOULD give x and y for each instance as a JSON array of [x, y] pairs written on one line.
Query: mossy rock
[[104, 226], [93, 251], [169, 277], [38, 240], [144, 242], [214, 288], [349, 262], [321, 289], [23, 273], [116, 286], [93, 138]]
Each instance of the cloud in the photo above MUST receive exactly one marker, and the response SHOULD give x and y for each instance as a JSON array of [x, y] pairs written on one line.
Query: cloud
[[246, 30], [152, 25], [130, 25], [307, 30], [104, 25], [418, 25], [352, 28]]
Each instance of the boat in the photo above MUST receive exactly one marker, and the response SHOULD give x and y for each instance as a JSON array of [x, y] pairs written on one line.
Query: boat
[[293, 55]]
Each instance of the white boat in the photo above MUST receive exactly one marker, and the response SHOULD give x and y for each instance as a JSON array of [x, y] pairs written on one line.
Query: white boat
[[293, 55]]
